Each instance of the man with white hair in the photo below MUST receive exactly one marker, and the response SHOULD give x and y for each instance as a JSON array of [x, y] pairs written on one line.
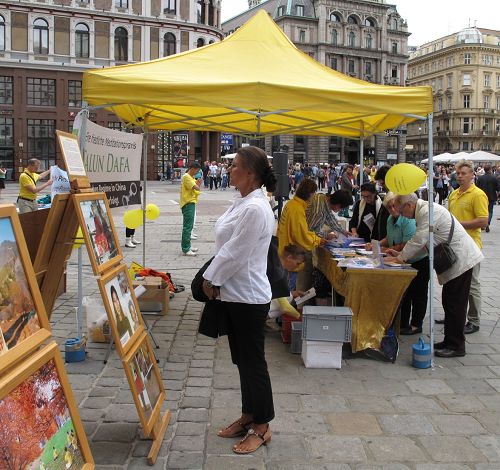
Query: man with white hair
[[456, 280]]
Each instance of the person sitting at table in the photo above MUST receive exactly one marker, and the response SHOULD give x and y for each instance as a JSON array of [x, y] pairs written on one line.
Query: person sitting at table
[[399, 231], [369, 218]]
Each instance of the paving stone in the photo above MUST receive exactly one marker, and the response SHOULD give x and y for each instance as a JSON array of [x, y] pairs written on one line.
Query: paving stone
[[457, 425], [202, 364], [103, 392], [370, 404], [175, 366], [495, 383], [301, 465], [475, 372], [116, 432], [441, 466], [284, 402], [174, 384], [229, 462], [297, 423], [489, 420], [355, 424], [389, 466], [337, 448], [489, 446], [406, 424], [193, 415], [80, 381], [122, 412], [195, 402], [470, 386], [415, 404], [200, 372], [429, 386], [185, 460], [110, 453], [287, 447], [198, 392], [461, 403], [388, 449], [491, 402], [141, 464], [190, 429], [451, 449], [322, 403], [199, 382], [97, 402], [188, 443]]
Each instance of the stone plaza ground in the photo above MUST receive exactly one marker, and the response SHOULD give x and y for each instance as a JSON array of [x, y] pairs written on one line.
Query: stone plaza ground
[[367, 416]]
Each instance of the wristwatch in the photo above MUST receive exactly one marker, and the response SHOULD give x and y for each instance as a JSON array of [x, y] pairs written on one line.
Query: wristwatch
[[209, 284]]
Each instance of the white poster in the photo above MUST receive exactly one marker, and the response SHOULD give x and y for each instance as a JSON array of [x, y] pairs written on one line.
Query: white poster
[[60, 180], [112, 160]]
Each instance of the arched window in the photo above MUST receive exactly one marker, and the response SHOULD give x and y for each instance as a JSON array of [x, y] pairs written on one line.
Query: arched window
[[335, 17], [370, 22], [169, 44], [335, 37], [393, 24], [82, 40], [121, 44], [40, 36], [200, 42], [352, 39], [394, 48], [352, 20], [2, 33], [369, 41]]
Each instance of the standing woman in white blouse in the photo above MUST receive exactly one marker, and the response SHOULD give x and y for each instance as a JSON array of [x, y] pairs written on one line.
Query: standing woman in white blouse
[[237, 275]]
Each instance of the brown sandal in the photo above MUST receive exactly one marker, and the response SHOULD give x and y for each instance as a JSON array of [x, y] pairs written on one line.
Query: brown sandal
[[243, 428], [264, 439]]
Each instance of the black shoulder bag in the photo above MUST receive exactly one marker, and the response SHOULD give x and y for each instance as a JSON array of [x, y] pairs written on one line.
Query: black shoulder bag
[[444, 256]]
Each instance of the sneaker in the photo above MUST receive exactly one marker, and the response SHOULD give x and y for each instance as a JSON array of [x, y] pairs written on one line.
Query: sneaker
[[470, 328], [129, 244], [487, 229], [189, 253], [193, 236], [194, 249], [135, 241]]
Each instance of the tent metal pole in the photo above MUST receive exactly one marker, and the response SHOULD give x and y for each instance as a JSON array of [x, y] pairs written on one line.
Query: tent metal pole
[[144, 182], [430, 192], [361, 152]]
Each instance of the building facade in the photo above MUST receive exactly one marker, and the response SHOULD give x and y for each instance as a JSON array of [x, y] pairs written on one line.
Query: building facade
[[46, 45], [463, 70], [366, 39]]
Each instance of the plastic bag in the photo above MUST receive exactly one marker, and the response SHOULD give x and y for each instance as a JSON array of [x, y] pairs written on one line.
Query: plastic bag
[[98, 327]]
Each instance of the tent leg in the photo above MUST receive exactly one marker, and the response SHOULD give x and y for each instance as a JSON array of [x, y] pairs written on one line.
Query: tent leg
[[430, 192], [144, 187], [361, 162]]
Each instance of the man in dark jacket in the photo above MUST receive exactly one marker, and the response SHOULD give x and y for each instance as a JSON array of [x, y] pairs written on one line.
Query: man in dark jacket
[[491, 186]]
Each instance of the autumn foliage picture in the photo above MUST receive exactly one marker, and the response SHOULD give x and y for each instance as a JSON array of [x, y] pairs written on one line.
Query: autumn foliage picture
[[37, 431]]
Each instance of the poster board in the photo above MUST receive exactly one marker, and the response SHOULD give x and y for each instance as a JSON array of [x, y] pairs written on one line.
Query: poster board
[[70, 149], [23, 320], [121, 306], [40, 421], [98, 229], [145, 382]]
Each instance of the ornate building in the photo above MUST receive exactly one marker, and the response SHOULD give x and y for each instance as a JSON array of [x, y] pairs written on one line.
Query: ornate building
[[366, 39], [45, 46], [463, 70]]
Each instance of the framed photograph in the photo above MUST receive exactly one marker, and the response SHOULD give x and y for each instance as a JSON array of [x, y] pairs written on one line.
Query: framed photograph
[[98, 230], [23, 320], [122, 308], [41, 428], [72, 157], [144, 378]]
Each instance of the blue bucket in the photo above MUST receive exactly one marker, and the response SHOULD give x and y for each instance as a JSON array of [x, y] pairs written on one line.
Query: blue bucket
[[421, 355], [74, 350]]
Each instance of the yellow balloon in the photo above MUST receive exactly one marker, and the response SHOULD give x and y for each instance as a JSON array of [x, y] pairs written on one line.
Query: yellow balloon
[[78, 239], [404, 178], [133, 218], [152, 211]]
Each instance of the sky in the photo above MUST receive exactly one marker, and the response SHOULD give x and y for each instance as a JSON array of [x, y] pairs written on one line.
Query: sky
[[427, 19]]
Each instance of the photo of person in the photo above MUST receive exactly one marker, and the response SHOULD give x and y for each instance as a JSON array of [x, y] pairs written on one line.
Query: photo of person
[[100, 230], [18, 317], [122, 305]]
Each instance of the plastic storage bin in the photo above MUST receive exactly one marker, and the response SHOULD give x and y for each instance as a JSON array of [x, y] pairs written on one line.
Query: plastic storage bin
[[296, 344], [286, 327], [322, 354], [327, 323]]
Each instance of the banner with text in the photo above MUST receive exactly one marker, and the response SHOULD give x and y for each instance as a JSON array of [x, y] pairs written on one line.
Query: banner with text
[[113, 163]]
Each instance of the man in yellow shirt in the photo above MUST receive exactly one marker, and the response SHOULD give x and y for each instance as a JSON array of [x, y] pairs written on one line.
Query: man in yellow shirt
[[26, 201], [190, 191], [469, 205]]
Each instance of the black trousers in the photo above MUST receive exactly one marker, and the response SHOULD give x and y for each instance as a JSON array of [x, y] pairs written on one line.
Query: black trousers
[[414, 301], [129, 232], [213, 182], [246, 341], [455, 298]]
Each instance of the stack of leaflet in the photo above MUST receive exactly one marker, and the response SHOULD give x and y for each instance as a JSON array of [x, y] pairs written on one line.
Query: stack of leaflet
[[343, 241]]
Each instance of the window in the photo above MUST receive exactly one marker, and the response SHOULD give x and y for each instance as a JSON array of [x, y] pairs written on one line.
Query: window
[[440, 83], [350, 66], [281, 10], [370, 22], [487, 80], [487, 125], [41, 141], [334, 63], [352, 20], [486, 101], [40, 36], [369, 41], [6, 132], [498, 80], [82, 40], [440, 103], [300, 143], [467, 125], [75, 93], [448, 102], [466, 101], [41, 92], [393, 24], [121, 44], [169, 44], [466, 81], [6, 90], [299, 10], [487, 59], [394, 71], [335, 37], [302, 36], [119, 126], [498, 103], [467, 59], [121, 3], [352, 39], [465, 145], [368, 69], [2, 33], [333, 17], [169, 6], [200, 42], [394, 48], [449, 79]]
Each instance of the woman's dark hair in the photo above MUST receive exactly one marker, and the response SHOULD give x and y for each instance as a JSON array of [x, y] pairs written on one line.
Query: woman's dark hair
[[255, 160], [370, 187], [381, 172], [306, 188], [294, 251], [341, 197]]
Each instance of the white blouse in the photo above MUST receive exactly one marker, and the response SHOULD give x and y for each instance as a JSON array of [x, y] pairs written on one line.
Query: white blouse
[[242, 237]]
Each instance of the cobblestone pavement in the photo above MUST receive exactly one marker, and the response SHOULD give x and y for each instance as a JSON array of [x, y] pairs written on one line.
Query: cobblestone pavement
[[366, 416]]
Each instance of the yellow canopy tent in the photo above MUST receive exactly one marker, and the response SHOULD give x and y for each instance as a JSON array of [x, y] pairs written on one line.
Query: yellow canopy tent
[[253, 82]]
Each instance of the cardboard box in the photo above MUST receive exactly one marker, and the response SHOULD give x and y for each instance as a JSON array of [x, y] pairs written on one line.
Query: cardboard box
[[156, 299], [322, 354]]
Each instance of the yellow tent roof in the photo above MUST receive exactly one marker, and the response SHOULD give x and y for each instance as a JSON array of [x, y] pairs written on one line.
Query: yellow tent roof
[[253, 82]]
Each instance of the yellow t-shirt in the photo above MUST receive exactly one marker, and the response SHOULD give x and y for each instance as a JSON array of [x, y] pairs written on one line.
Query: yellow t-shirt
[[25, 180], [467, 206], [188, 192]]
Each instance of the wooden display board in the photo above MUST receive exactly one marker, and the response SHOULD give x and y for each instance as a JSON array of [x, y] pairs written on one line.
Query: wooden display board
[[23, 320], [72, 157], [41, 427]]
